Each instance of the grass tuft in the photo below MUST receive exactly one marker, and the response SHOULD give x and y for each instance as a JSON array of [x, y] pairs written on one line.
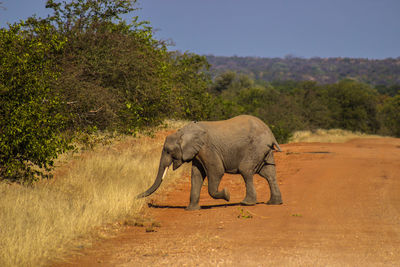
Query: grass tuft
[[327, 136]]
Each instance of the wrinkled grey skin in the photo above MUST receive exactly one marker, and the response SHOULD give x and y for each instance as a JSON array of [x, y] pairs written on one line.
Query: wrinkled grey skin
[[241, 145]]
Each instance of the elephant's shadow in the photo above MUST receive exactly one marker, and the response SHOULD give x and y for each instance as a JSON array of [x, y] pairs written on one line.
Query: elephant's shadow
[[203, 207]]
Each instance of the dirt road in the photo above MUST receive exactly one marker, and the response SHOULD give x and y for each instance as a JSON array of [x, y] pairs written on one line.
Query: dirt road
[[341, 208]]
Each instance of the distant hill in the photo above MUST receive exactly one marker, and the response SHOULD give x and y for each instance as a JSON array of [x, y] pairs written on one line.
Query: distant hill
[[323, 70]]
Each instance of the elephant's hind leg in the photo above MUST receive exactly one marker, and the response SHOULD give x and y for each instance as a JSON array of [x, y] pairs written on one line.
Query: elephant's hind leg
[[251, 195], [269, 173]]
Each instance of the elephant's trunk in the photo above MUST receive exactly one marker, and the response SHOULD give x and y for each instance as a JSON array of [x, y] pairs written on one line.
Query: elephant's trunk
[[162, 171], [155, 185]]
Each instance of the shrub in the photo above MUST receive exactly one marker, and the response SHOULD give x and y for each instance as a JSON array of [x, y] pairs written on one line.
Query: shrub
[[117, 76], [30, 122], [390, 115], [353, 106]]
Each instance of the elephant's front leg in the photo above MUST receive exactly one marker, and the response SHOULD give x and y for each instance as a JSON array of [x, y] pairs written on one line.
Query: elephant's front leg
[[197, 179], [214, 179]]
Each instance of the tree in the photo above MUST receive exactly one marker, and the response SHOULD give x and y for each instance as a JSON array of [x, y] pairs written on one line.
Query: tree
[[223, 82], [311, 102], [116, 76], [190, 84], [30, 122], [85, 68], [353, 106], [112, 71], [81, 15], [390, 115]]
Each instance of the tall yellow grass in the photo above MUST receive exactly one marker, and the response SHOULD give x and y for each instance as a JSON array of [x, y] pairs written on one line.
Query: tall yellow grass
[[39, 224], [327, 136]]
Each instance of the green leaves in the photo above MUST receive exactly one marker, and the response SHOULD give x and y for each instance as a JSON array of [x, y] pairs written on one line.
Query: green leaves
[[81, 15], [390, 115], [85, 68], [353, 106], [30, 121]]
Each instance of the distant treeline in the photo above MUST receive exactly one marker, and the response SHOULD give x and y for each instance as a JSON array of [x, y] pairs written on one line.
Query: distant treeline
[[84, 69], [288, 106], [384, 74]]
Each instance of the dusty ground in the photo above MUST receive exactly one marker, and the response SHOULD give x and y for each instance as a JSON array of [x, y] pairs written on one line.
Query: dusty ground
[[341, 208]]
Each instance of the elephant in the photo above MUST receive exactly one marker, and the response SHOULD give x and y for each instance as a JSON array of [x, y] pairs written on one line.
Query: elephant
[[240, 145]]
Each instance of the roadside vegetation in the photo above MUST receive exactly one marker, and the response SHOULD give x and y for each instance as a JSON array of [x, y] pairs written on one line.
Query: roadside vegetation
[[85, 69], [328, 136], [78, 90], [90, 189]]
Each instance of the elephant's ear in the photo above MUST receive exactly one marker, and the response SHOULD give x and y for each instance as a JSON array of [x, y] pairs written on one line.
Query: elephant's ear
[[192, 139]]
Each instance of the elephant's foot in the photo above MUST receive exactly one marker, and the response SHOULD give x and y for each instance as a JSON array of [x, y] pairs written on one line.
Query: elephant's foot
[[227, 196], [223, 194], [249, 201], [193, 207], [245, 203], [275, 201]]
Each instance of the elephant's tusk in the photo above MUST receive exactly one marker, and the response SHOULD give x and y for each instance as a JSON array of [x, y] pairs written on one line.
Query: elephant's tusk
[[165, 172]]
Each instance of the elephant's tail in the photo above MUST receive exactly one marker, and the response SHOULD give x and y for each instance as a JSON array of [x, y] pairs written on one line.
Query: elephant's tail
[[275, 146]]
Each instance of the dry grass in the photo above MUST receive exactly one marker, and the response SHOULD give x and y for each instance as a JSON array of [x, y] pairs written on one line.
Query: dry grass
[[41, 223], [174, 124], [327, 136]]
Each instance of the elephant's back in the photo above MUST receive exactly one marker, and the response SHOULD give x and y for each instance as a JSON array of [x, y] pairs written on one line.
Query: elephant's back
[[242, 124], [240, 131]]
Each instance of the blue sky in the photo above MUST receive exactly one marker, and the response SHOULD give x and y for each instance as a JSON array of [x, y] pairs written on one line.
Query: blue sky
[[263, 28]]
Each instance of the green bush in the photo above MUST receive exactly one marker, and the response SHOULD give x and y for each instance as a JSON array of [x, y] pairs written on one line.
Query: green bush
[[353, 106], [84, 69], [30, 122], [189, 97], [117, 76], [390, 115], [112, 71]]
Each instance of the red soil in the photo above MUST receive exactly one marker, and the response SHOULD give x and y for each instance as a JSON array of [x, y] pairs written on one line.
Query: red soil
[[341, 208]]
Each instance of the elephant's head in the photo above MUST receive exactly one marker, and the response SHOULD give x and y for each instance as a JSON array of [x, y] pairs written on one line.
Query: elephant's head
[[179, 147]]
